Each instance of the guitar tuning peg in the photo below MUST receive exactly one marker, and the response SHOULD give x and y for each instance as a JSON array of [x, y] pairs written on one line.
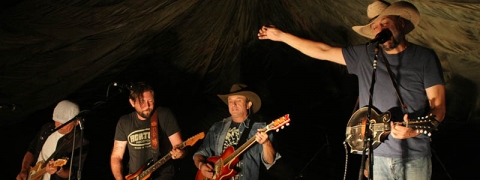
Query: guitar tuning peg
[[288, 124], [283, 127], [429, 134], [277, 130]]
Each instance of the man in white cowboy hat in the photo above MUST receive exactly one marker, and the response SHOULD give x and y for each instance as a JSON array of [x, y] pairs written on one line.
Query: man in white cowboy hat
[[405, 154], [242, 103]]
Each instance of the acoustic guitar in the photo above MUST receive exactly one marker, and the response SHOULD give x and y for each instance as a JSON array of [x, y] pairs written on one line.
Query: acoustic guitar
[[380, 127]]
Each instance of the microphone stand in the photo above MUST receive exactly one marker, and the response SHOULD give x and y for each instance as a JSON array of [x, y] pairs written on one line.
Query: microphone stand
[[368, 138]]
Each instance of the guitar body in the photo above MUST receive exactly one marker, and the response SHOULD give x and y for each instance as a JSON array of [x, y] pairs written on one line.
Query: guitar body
[[221, 171], [356, 128], [223, 166], [380, 128], [139, 171], [34, 170]]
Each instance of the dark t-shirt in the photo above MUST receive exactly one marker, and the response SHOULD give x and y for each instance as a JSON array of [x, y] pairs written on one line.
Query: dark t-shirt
[[137, 134], [415, 69]]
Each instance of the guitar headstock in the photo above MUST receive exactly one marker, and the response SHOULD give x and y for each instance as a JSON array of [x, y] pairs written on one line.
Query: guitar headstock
[[192, 140], [60, 162], [425, 124], [279, 123]]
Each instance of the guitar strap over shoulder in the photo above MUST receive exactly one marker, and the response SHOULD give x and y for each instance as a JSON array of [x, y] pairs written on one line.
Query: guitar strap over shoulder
[[245, 133], [391, 75], [154, 134]]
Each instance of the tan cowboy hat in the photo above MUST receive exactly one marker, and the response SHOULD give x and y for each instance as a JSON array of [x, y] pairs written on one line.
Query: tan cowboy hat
[[379, 9], [242, 89]]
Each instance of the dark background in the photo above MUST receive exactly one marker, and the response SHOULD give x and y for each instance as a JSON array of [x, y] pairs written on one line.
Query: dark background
[[192, 50]]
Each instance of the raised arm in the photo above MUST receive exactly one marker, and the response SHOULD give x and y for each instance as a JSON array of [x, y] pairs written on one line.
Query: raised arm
[[314, 49]]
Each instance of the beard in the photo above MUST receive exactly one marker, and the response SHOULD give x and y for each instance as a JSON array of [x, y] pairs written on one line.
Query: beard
[[145, 114], [393, 42]]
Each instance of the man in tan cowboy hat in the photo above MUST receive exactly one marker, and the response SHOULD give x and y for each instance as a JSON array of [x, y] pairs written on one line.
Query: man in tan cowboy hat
[[228, 133], [416, 72]]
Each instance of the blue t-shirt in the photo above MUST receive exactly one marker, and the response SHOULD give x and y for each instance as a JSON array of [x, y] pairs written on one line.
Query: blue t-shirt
[[414, 69]]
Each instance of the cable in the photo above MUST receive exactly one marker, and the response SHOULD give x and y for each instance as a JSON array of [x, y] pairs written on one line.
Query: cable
[[346, 160]]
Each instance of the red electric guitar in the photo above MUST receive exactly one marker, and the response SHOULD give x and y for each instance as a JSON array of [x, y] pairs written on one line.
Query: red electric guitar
[[223, 165]]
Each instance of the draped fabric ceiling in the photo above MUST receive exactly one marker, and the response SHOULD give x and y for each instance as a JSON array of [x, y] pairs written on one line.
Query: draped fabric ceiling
[[192, 50]]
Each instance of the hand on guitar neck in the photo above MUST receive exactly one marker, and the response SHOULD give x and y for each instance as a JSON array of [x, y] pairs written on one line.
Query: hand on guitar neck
[[400, 131]]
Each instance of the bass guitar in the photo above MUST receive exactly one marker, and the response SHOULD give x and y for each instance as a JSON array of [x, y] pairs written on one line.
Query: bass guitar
[[224, 164], [146, 170], [380, 127], [36, 172]]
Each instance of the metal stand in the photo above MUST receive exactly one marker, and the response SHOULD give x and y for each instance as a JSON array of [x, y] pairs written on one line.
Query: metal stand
[[368, 137]]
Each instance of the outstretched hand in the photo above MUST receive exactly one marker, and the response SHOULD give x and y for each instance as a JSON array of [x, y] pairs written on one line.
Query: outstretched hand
[[270, 32]]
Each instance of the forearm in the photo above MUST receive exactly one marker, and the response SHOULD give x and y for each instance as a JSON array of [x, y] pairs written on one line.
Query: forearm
[[198, 159], [268, 152], [27, 160], [63, 173], [314, 49], [117, 168]]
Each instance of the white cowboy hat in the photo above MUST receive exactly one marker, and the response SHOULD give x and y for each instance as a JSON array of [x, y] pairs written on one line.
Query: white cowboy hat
[[379, 9]]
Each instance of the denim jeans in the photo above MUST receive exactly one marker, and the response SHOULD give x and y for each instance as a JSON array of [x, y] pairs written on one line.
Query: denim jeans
[[386, 168]]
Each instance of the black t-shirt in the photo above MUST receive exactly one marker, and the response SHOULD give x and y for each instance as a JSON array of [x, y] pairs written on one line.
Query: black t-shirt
[[137, 134]]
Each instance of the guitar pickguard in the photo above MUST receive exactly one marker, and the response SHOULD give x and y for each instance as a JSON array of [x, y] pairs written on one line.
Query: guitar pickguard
[[379, 125]]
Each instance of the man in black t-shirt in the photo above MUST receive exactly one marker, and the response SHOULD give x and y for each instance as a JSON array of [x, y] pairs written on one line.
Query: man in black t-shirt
[[144, 141]]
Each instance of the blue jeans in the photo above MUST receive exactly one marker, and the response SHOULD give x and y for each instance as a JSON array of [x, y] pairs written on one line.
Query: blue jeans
[[402, 168]]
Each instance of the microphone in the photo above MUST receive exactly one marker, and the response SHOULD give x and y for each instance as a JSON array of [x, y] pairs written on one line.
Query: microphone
[[123, 85], [8, 107], [382, 37]]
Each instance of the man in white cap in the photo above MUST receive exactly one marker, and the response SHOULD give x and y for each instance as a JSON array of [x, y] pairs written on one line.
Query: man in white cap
[[405, 153], [242, 104], [51, 151]]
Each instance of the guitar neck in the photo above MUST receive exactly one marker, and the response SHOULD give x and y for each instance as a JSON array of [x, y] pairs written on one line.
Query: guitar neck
[[159, 163], [240, 150]]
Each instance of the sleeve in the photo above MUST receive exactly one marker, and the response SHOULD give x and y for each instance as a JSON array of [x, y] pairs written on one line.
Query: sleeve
[[168, 121], [271, 137], [208, 144], [119, 130], [433, 71]]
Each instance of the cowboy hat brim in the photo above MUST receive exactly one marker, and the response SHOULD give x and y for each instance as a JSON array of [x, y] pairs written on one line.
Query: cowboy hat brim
[[253, 97], [403, 9]]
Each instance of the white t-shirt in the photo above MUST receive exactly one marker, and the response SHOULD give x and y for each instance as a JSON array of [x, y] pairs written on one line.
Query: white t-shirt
[[48, 149]]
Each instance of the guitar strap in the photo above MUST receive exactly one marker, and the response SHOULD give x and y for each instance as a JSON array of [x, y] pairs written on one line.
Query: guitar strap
[[245, 133], [394, 82], [154, 134]]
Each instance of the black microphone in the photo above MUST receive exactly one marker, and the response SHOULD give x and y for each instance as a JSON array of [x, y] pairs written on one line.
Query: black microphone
[[123, 85], [8, 107], [382, 37]]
